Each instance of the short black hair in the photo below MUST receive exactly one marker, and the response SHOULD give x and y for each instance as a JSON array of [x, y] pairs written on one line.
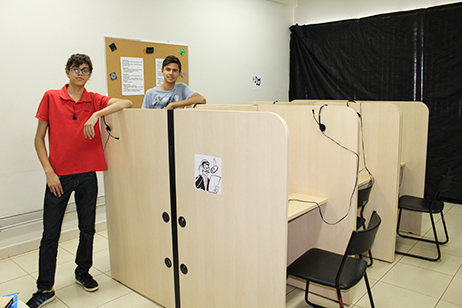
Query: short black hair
[[77, 60], [171, 59]]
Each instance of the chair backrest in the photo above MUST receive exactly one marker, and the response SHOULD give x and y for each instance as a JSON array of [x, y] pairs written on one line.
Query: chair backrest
[[363, 195], [443, 186], [445, 182], [361, 241]]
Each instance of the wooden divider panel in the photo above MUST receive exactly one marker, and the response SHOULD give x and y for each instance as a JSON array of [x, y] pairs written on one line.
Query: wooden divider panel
[[234, 243], [137, 196]]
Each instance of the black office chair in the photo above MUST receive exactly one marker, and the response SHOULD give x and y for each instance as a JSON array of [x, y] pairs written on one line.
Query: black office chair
[[334, 270], [431, 206], [363, 199]]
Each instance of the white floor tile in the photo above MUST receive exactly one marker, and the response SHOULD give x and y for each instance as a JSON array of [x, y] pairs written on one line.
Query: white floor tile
[[452, 294], [76, 297], [10, 270], [360, 290], [390, 296], [296, 299], [448, 264], [24, 285], [380, 268], [417, 279], [103, 233], [459, 273], [131, 300], [101, 261], [456, 209], [444, 304]]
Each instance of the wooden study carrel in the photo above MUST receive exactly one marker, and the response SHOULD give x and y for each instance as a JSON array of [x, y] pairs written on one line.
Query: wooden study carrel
[[117, 48]]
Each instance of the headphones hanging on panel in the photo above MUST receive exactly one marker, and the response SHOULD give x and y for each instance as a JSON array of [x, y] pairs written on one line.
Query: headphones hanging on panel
[[353, 101], [322, 127]]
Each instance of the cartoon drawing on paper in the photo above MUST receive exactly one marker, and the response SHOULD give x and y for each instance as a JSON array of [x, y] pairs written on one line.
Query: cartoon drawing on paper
[[208, 174]]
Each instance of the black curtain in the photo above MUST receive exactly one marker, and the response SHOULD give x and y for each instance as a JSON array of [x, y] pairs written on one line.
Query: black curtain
[[406, 56]]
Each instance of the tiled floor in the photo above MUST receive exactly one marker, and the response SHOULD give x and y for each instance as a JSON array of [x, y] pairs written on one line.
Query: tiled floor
[[406, 283]]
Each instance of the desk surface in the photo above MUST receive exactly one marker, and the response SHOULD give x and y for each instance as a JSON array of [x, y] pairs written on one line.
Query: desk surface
[[364, 177], [300, 204]]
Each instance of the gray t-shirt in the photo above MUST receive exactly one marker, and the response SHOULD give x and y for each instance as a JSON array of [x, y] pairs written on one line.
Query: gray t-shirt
[[156, 98]]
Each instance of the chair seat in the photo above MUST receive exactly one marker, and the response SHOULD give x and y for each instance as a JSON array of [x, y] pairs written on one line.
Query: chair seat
[[419, 204], [321, 267]]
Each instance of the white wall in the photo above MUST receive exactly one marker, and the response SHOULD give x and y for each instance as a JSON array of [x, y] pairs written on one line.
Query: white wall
[[319, 11], [227, 40]]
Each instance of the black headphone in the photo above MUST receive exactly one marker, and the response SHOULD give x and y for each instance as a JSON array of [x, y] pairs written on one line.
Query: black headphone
[[108, 129], [322, 127]]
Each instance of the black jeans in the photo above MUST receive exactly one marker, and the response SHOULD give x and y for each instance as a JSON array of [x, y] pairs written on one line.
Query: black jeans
[[85, 186]]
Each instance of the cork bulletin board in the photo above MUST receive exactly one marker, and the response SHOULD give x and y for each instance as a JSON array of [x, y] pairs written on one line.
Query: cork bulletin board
[[119, 49]]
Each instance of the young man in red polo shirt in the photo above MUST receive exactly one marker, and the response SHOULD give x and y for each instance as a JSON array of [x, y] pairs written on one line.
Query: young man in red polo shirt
[[70, 116]]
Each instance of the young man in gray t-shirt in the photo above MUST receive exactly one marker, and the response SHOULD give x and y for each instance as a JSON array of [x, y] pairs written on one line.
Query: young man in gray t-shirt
[[170, 94]]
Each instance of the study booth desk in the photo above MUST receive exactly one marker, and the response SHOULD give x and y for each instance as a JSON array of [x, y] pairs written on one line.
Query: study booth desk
[[182, 246], [414, 117]]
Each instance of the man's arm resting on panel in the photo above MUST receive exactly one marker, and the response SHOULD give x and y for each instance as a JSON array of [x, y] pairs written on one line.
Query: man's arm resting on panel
[[114, 105], [196, 98]]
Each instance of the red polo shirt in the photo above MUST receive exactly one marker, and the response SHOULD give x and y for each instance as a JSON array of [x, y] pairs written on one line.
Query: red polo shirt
[[69, 151]]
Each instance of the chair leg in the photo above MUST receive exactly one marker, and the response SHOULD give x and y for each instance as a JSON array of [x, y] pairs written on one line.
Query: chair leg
[[306, 296], [436, 241], [445, 229], [369, 292], [340, 299]]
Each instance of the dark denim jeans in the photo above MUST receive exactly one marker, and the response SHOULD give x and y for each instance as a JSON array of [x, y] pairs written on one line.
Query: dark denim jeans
[[85, 187]]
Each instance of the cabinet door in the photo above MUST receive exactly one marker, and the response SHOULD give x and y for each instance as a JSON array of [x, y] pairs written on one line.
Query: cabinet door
[[232, 235], [138, 203]]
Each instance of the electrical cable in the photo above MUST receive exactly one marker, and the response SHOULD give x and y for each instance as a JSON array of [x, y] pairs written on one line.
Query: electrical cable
[[371, 176], [357, 170]]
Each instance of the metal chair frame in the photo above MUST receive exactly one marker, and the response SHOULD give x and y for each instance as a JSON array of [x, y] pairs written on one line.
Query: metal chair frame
[[435, 206]]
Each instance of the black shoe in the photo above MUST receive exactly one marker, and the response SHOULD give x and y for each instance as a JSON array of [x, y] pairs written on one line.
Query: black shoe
[[41, 298], [87, 281]]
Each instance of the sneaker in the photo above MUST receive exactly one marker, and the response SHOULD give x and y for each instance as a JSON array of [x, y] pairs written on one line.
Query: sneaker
[[86, 280], [41, 298]]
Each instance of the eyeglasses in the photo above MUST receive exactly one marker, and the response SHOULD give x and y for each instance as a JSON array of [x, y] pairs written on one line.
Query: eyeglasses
[[84, 71]]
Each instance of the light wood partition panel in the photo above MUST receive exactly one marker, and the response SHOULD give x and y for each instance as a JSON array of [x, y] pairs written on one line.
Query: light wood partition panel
[[382, 151], [137, 194], [234, 107], [323, 167], [415, 117], [234, 244]]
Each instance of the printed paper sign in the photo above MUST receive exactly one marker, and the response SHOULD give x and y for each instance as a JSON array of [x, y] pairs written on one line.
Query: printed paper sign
[[132, 76], [207, 174]]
